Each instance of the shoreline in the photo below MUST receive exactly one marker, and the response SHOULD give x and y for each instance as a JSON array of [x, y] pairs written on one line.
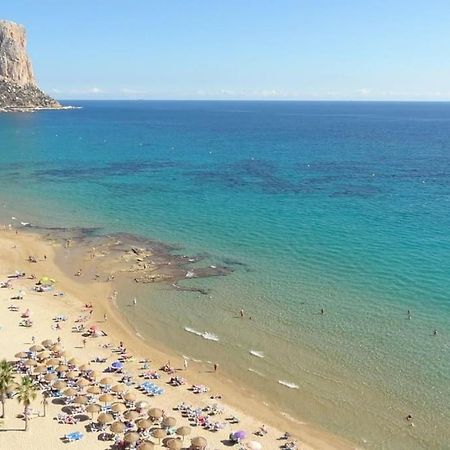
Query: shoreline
[[119, 328]]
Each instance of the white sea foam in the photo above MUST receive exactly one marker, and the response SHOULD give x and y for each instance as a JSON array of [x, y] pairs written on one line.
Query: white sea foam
[[205, 334], [255, 371], [257, 353], [288, 384]]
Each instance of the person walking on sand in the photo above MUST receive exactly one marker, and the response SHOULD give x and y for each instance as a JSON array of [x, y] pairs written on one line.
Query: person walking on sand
[[105, 317], [84, 343], [33, 340], [185, 364], [134, 301], [216, 367]]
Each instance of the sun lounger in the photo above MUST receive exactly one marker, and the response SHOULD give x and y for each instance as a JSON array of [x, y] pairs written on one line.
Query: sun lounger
[[75, 436]]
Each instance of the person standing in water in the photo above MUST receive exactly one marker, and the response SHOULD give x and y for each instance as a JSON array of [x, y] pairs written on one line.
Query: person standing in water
[[241, 313], [185, 364], [134, 301]]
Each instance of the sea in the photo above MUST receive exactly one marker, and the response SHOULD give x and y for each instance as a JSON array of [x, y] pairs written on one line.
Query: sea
[[333, 216]]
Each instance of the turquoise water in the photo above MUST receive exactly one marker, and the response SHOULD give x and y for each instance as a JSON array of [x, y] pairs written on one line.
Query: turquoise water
[[341, 206]]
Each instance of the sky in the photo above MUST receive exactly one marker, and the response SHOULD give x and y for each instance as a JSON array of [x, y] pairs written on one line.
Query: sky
[[238, 49]]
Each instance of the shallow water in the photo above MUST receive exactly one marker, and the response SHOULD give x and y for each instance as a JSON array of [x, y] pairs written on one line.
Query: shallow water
[[341, 206]]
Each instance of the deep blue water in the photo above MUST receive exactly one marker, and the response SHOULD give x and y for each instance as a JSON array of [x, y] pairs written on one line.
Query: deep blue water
[[341, 206]]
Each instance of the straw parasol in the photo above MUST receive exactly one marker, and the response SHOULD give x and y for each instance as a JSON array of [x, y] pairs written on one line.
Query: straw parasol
[[131, 415], [169, 422], [56, 348], [130, 397], [44, 354], [174, 444], [36, 348], [118, 388], [21, 355], [40, 369], [106, 398], [47, 343], [118, 407], [50, 376], [62, 368], [59, 385], [141, 404], [72, 375], [143, 424], [74, 361], [117, 427], [183, 431], [93, 408], [94, 390], [104, 418], [52, 362], [70, 392], [82, 382], [30, 362], [131, 437], [81, 400], [146, 445], [85, 368], [199, 442], [95, 374], [106, 381], [159, 433], [155, 413]]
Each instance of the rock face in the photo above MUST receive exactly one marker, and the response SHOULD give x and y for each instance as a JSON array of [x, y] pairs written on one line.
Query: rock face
[[18, 89]]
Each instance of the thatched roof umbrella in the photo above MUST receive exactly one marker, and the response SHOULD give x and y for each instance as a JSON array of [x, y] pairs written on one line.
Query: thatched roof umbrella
[[81, 400], [72, 375], [30, 362], [143, 424], [146, 445], [85, 368], [50, 376], [106, 398], [62, 368], [174, 444], [47, 343], [118, 407], [56, 348], [168, 422], [59, 385], [184, 431], [199, 442], [52, 362], [95, 374], [44, 354], [118, 388], [130, 397], [159, 433], [131, 437], [117, 427], [21, 355], [107, 381], [74, 361], [104, 418], [92, 409], [39, 369], [36, 348], [70, 392], [131, 415], [82, 382], [154, 413], [95, 390]]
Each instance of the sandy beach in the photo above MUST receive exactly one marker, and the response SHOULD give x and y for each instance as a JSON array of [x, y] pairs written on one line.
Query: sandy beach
[[67, 299]]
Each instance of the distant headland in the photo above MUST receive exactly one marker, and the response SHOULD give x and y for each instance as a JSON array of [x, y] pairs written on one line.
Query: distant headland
[[18, 87]]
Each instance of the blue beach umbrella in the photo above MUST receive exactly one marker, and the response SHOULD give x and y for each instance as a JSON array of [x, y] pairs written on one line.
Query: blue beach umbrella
[[117, 365]]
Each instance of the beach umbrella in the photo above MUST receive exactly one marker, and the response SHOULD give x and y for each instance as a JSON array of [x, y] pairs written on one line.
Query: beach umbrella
[[117, 427], [21, 355], [93, 409], [239, 435], [47, 343], [159, 433], [118, 407], [199, 442], [56, 348], [253, 445], [80, 400], [104, 418], [70, 392], [183, 431], [72, 375], [174, 444], [52, 362], [30, 362], [146, 445], [50, 376], [155, 413], [36, 348], [144, 424], [106, 381], [82, 382], [85, 368], [95, 390], [142, 404], [131, 437], [95, 374], [169, 422], [74, 361], [118, 388], [62, 368], [106, 398], [131, 415], [117, 365], [40, 369], [130, 397], [44, 354], [59, 385]]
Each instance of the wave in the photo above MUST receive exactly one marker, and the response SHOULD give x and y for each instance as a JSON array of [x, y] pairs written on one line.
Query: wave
[[257, 353], [288, 384], [205, 334], [255, 371]]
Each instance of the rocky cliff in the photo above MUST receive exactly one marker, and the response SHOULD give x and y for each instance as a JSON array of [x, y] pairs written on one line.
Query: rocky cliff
[[18, 89]]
